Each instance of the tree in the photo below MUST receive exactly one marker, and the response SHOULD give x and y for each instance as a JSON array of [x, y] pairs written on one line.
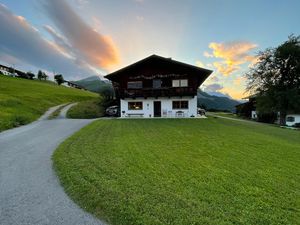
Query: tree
[[45, 76], [40, 75], [107, 92], [59, 79], [275, 79]]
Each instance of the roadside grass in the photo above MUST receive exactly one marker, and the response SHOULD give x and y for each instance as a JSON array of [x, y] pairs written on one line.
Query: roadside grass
[[23, 101], [225, 114], [183, 171], [87, 110], [55, 114]]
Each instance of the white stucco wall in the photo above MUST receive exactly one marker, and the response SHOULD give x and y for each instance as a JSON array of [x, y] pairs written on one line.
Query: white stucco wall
[[297, 119], [166, 107]]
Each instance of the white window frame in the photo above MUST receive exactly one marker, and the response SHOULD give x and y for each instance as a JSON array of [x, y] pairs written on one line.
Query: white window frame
[[180, 83]]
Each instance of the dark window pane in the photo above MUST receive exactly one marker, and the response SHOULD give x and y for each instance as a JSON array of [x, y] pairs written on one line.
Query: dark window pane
[[135, 84], [156, 83], [176, 105], [180, 104], [184, 104]]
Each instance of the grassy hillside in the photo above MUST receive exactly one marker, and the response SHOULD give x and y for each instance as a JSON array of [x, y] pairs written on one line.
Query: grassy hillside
[[23, 101], [183, 171], [87, 110]]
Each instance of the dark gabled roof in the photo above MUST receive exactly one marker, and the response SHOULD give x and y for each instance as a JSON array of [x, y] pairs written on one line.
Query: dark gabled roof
[[163, 59]]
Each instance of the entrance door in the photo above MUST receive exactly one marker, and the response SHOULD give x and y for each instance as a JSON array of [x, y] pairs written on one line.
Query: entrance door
[[157, 109]]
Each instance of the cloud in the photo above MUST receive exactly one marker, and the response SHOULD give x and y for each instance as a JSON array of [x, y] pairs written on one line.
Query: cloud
[[233, 92], [238, 81], [60, 41], [200, 64], [208, 55], [233, 54], [140, 18], [93, 48], [22, 41], [82, 2], [213, 79], [213, 87]]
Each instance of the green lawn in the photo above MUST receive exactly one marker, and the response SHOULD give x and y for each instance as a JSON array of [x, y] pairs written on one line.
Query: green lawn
[[23, 101], [183, 171], [225, 114]]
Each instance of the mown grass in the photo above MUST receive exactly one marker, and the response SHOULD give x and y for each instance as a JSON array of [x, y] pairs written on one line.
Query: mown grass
[[87, 110], [225, 114], [23, 101], [183, 171]]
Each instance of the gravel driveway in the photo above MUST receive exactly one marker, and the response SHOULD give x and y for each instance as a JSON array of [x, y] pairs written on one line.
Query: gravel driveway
[[30, 192]]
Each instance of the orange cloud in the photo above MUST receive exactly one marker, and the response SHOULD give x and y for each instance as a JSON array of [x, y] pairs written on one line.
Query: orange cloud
[[238, 81], [234, 93], [233, 54], [200, 64], [225, 69], [22, 38], [88, 45]]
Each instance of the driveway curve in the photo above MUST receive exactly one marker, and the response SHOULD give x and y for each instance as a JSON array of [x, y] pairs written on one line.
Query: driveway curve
[[30, 192]]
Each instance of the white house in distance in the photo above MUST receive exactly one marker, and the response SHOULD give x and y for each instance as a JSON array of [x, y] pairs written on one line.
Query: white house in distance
[[292, 119], [5, 70], [158, 87]]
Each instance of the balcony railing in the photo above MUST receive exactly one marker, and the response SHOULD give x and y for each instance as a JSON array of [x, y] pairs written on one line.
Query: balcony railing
[[160, 92]]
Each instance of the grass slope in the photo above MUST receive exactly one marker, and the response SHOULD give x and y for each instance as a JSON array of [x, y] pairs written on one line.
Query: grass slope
[[183, 171], [87, 110], [23, 101]]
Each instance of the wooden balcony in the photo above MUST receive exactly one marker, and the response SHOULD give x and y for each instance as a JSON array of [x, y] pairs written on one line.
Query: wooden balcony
[[155, 93]]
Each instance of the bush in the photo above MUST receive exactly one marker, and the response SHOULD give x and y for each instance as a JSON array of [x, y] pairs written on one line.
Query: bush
[[296, 125]]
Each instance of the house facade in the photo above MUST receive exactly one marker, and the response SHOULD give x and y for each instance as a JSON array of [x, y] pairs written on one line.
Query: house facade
[[158, 87], [5, 70]]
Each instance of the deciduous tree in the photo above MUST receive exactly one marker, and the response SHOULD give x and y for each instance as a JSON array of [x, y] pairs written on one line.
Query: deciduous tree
[[275, 79], [59, 79]]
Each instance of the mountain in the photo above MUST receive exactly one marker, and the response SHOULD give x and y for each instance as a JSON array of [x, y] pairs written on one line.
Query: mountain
[[218, 94], [94, 84], [213, 102]]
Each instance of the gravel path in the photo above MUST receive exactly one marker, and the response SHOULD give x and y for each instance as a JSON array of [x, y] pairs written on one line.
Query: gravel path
[[30, 192]]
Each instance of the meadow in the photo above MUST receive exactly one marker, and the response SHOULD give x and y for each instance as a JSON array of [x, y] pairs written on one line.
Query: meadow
[[183, 171], [23, 101], [87, 109]]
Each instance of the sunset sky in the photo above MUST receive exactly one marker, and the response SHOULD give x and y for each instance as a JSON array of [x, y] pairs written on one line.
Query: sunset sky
[[80, 38]]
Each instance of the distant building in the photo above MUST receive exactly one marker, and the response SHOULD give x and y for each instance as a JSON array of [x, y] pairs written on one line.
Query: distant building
[[158, 87], [74, 85], [6, 70], [9, 71], [247, 109], [293, 120]]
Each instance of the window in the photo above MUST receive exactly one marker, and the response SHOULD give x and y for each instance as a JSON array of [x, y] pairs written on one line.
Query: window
[[180, 83], [135, 105], [135, 84], [290, 119], [156, 83], [180, 104], [175, 83]]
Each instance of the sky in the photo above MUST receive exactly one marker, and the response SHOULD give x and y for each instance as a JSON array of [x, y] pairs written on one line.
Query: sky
[[81, 38]]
